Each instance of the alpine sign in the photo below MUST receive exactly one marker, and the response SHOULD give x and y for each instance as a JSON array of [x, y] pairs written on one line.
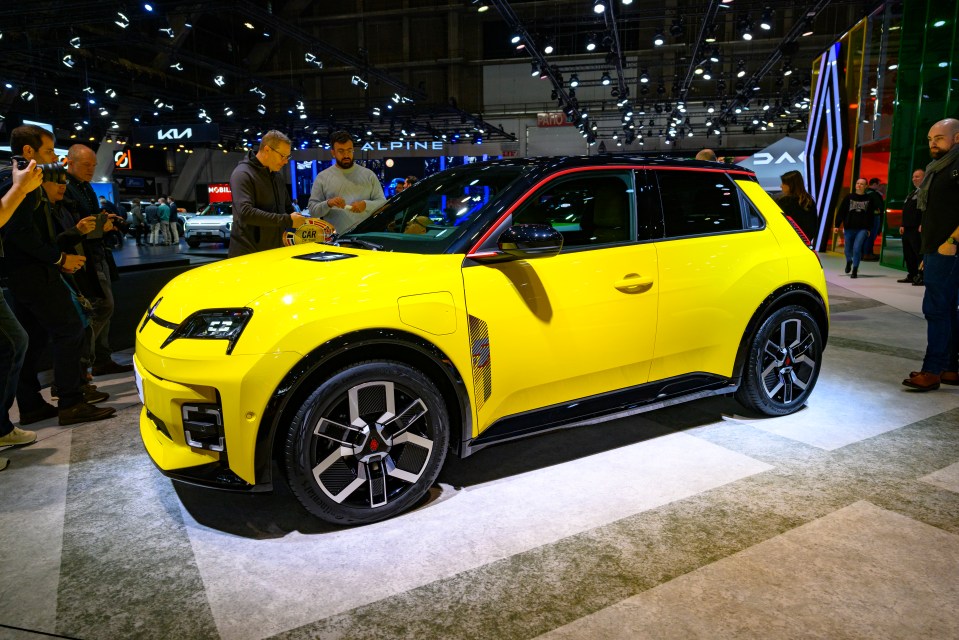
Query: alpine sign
[[179, 134]]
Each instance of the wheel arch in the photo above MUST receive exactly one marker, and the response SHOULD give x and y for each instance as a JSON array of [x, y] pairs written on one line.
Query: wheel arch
[[797, 294], [370, 344]]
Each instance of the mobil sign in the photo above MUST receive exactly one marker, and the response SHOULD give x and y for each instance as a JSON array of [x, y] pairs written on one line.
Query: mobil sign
[[219, 192]]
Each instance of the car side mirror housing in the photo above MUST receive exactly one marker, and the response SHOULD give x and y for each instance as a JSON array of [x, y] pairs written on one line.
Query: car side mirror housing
[[531, 241]]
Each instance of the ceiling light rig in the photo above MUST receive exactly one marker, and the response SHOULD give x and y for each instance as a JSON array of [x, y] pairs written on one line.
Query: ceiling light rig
[[121, 20]]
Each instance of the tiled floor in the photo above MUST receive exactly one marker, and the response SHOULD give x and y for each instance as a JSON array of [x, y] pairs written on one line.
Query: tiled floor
[[841, 521]]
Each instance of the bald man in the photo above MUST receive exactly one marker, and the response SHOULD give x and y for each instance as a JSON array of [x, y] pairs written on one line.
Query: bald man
[[707, 154], [97, 283], [936, 198]]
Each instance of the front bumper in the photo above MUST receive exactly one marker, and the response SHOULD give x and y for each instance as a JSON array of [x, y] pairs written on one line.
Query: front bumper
[[239, 386]]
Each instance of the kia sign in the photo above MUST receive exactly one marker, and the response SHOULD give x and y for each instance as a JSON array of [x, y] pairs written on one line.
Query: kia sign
[[177, 134], [219, 192]]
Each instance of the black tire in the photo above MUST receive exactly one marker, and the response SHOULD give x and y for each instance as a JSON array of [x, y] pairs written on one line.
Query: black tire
[[226, 244], [785, 356], [347, 474], [193, 244]]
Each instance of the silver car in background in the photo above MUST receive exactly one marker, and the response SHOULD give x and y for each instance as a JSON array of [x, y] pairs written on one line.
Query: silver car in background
[[210, 224]]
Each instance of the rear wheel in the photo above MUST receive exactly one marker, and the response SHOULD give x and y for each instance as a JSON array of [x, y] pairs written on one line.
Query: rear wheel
[[368, 443], [785, 356]]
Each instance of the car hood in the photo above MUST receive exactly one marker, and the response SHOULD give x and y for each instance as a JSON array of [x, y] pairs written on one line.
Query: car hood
[[240, 282], [209, 220]]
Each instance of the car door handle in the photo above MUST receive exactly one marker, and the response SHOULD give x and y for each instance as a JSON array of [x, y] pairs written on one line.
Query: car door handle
[[634, 283]]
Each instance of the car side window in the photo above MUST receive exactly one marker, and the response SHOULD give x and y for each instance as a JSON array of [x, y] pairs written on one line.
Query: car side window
[[698, 203], [588, 209]]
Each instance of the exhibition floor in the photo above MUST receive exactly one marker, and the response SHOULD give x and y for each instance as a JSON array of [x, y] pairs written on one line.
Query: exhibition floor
[[840, 521]]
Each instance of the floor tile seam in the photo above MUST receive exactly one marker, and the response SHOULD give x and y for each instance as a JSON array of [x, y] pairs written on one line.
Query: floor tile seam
[[878, 348]]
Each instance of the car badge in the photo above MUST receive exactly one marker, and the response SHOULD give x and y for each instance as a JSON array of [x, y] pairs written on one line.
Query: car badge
[[312, 230]]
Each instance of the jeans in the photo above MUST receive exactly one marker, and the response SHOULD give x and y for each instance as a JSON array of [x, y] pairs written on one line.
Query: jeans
[[13, 348], [855, 239], [869, 246], [939, 305], [103, 308]]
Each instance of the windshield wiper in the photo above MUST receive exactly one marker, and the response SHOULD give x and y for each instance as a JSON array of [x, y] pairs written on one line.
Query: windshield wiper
[[337, 241]]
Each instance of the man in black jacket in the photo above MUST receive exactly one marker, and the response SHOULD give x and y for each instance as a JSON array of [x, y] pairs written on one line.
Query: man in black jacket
[[910, 229], [43, 303], [262, 208], [81, 163]]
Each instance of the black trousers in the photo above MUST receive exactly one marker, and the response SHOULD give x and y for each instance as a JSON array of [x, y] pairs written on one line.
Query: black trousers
[[911, 242], [47, 313]]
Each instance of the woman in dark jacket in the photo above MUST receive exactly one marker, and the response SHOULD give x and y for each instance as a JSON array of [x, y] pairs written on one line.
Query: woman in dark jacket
[[796, 203], [854, 215]]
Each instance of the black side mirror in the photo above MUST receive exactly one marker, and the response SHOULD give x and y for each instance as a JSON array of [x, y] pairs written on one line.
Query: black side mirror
[[531, 241]]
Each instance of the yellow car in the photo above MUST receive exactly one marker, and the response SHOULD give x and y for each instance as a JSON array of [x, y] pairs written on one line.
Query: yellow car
[[489, 302]]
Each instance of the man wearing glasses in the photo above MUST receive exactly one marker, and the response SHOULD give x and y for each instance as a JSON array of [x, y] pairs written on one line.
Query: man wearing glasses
[[345, 194], [262, 209]]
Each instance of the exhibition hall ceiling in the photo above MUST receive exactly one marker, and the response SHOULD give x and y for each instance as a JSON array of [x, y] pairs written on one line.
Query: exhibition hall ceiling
[[384, 67]]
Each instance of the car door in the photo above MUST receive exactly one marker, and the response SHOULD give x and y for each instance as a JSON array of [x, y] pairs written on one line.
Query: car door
[[717, 263], [573, 325]]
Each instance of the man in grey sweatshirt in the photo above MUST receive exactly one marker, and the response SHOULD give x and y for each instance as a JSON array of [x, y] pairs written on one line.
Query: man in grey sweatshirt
[[345, 194], [262, 209]]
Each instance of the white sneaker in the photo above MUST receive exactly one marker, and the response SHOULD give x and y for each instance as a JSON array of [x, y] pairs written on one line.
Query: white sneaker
[[18, 436]]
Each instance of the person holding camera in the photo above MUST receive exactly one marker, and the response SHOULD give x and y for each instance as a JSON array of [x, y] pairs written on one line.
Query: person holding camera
[[44, 305], [81, 164], [14, 188]]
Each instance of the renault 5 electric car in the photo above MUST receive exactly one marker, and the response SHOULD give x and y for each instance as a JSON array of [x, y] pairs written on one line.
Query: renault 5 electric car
[[489, 302]]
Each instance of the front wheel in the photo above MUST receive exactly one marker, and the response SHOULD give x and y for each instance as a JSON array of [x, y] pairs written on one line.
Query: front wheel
[[785, 356], [368, 443], [193, 244]]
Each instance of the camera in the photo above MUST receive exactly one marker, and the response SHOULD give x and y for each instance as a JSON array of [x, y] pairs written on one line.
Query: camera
[[52, 171]]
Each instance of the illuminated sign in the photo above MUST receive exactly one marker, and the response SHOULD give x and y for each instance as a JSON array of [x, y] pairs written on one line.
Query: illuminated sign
[[185, 134], [433, 145], [219, 192], [552, 119], [123, 160]]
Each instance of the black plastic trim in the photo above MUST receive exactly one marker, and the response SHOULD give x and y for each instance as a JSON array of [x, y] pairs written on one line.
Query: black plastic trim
[[607, 406]]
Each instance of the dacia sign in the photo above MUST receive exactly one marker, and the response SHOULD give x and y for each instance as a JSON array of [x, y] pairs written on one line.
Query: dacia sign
[[786, 154], [185, 134]]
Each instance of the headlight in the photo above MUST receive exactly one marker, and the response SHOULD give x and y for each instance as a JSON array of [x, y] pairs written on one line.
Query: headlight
[[213, 324], [229, 225]]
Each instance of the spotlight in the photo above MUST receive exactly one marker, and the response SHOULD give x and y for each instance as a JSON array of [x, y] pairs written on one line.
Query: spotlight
[[179, 67], [766, 22], [111, 93], [167, 31], [549, 48], [746, 31], [534, 71], [606, 79], [75, 43], [515, 38], [227, 111], [644, 76], [219, 81], [678, 28], [261, 109], [248, 25], [481, 6], [26, 95], [68, 61], [574, 81], [591, 43], [121, 20], [658, 39], [376, 111], [741, 69], [104, 112], [312, 59], [357, 81], [599, 6]]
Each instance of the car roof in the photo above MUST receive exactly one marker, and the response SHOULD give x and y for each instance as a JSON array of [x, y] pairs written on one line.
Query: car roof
[[569, 162]]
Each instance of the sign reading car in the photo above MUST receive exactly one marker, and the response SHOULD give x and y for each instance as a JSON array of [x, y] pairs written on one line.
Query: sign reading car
[[185, 134]]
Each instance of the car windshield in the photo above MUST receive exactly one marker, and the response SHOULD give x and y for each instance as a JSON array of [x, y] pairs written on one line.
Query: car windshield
[[429, 216], [218, 209]]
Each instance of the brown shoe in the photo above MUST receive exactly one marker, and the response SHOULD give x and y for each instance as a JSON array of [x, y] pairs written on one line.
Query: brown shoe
[[949, 377], [922, 381], [83, 412]]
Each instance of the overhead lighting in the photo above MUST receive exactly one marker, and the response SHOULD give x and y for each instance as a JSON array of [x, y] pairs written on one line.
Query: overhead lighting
[[219, 81], [591, 43], [312, 59], [168, 31], [104, 112], [481, 6], [741, 69], [227, 111], [747, 32], [515, 38], [627, 1], [248, 25], [644, 76], [677, 28], [574, 81], [766, 22], [147, 6], [26, 95], [549, 48], [121, 20], [939, 23], [376, 111], [75, 42], [89, 90], [599, 6], [605, 79], [68, 61], [534, 71], [658, 39], [357, 81], [177, 66], [111, 93]]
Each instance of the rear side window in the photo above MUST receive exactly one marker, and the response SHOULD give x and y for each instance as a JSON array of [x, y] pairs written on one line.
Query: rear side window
[[698, 203]]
